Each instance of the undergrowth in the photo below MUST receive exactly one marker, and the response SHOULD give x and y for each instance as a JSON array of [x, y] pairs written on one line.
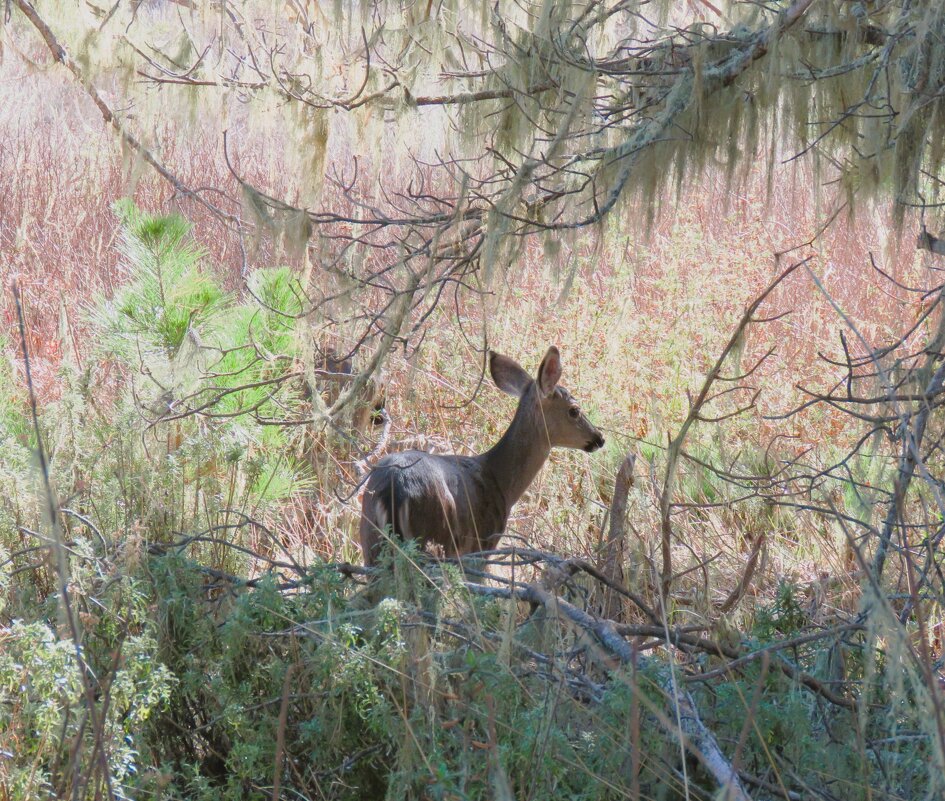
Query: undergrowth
[[212, 689]]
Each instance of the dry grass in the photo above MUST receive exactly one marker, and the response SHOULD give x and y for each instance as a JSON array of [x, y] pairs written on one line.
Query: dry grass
[[640, 313]]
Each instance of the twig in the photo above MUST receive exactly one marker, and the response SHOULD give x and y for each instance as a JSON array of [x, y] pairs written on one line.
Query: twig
[[60, 54], [744, 583], [280, 732], [62, 565], [695, 407]]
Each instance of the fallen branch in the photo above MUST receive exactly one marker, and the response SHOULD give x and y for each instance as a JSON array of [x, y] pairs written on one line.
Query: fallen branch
[[692, 732]]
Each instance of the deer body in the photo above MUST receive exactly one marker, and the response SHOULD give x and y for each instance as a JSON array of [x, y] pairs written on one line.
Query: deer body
[[463, 503]]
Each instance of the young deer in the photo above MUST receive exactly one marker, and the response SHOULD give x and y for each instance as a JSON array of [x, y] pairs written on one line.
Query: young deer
[[463, 502]]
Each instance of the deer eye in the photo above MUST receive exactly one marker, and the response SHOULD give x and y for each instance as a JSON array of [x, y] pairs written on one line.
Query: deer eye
[[574, 412]]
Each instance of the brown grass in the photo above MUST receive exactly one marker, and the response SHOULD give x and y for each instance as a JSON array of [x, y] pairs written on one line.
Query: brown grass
[[647, 312]]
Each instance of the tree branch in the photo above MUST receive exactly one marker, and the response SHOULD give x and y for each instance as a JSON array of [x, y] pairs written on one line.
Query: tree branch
[[60, 54]]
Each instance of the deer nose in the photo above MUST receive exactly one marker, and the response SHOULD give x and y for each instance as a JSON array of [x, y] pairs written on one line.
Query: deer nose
[[595, 444]]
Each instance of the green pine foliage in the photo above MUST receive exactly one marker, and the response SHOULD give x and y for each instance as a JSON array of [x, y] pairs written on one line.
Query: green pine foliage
[[161, 437]]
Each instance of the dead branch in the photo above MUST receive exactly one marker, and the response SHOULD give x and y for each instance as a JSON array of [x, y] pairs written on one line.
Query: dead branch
[[59, 54], [738, 592], [693, 734], [695, 407], [615, 547]]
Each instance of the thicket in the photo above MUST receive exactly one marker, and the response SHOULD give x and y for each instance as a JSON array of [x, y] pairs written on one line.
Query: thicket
[[160, 640], [164, 630]]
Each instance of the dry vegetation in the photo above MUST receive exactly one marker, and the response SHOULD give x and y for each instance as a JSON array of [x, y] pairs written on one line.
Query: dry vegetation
[[227, 650]]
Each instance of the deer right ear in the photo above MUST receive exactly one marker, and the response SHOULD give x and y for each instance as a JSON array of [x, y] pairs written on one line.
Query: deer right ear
[[549, 372], [508, 375]]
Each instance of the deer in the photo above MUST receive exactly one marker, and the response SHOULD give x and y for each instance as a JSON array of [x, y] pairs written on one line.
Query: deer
[[462, 503]]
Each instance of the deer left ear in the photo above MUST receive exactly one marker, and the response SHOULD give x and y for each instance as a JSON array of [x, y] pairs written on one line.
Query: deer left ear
[[508, 375], [549, 372]]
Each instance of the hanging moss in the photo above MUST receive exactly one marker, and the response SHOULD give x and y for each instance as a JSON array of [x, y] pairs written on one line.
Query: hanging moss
[[550, 105]]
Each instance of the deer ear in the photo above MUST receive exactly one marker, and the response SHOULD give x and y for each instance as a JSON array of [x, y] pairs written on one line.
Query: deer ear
[[549, 372], [508, 375]]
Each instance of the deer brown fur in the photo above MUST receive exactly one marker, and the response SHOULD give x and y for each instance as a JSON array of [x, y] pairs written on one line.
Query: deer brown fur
[[462, 503]]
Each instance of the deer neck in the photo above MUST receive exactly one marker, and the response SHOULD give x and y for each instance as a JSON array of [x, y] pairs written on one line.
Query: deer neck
[[516, 458]]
